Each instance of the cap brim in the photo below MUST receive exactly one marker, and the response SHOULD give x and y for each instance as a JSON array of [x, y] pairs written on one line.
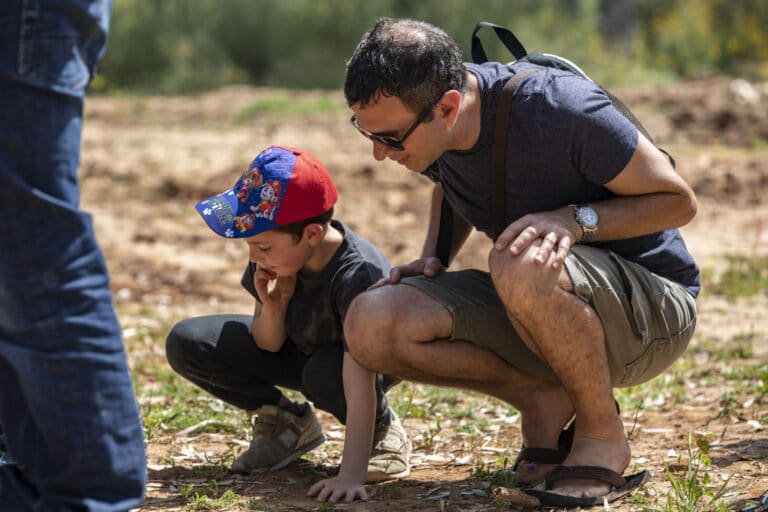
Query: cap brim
[[228, 217]]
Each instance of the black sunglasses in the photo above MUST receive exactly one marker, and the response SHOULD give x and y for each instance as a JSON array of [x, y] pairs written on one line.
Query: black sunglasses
[[395, 143]]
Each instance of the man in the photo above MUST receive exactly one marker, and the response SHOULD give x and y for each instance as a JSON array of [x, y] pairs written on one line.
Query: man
[[590, 287], [72, 438]]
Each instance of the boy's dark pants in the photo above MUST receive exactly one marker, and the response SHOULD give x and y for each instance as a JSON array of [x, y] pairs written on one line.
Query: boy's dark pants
[[218, 354]]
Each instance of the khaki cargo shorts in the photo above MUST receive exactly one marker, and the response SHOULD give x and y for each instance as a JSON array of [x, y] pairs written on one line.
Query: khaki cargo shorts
[[648, 320]]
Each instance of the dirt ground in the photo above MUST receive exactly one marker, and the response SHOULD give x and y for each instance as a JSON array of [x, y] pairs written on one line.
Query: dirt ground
[[146, 161]]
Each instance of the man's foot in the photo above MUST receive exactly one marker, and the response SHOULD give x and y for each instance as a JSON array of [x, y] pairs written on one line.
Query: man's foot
[[391, 454], [611, 453], [619, 486], [279, 438], [546, 440]]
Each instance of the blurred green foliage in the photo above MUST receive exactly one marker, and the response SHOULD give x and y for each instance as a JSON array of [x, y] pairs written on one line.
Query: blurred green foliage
[[177, 46]]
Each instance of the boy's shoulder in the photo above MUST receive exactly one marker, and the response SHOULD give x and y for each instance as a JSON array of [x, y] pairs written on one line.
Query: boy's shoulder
[[357, 249]]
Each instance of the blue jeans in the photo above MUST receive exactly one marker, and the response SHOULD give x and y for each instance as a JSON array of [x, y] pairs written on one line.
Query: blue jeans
[[67, 409]]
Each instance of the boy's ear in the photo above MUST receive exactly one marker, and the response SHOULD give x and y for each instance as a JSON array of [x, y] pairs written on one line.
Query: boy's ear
[[313, 233]]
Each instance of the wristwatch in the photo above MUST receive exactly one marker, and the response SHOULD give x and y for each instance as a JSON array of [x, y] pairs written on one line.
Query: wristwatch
[[587, 218]]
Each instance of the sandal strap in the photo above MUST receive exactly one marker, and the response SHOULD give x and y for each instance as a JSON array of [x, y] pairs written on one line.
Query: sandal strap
[[541, 456], [586, 472]]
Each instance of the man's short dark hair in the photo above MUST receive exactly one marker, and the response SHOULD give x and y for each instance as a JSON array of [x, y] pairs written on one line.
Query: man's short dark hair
[[297, 228], [409, 59]]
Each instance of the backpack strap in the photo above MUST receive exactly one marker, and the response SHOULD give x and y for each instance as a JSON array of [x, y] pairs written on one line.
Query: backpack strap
[[499, 153], [505, 35], [445, 233]]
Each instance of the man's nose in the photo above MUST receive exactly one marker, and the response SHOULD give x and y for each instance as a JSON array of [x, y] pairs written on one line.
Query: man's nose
[[380, 151]]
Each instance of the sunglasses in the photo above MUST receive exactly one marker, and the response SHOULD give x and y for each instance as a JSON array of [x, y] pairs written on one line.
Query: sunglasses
[[395, 143]]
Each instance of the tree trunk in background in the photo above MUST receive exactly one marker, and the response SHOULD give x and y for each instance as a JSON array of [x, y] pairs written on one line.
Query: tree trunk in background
[[618, 22]]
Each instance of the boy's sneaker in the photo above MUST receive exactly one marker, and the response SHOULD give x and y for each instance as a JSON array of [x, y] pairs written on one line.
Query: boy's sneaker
[[279, 438], [391, 454]]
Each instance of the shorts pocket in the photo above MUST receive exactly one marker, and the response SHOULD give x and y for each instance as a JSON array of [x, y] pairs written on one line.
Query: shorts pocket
[[658, 355], [651, 301]]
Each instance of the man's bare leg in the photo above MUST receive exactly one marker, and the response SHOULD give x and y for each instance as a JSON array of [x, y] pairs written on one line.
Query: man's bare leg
[[401, 331], [566, 333]]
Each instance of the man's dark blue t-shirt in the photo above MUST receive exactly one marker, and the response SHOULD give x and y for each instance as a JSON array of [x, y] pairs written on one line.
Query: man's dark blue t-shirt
[[566, 140]]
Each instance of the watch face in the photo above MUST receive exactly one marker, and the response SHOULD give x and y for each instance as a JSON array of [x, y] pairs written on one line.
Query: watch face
[[587, 217]]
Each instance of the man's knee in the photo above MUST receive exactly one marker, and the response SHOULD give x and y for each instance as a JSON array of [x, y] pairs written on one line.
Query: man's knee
[[520, 282], [511, 275], [368, 322]]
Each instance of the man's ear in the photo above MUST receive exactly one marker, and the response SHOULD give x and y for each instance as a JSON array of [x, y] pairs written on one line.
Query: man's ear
[[314, 233], [448, 107]]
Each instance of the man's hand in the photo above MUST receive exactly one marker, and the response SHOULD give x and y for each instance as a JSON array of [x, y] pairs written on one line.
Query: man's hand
[[274, 291], [429, 267], [558, 229], [338, 488]]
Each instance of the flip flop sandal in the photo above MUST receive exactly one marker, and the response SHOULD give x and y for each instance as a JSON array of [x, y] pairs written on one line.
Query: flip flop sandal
[[756, 506], [620, 486], [535, 455]]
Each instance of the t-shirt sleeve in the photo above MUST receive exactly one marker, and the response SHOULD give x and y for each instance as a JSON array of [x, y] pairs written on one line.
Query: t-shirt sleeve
[[352, 284], [601, 139]]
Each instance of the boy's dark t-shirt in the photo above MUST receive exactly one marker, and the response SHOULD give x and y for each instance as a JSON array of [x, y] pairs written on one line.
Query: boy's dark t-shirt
[[566, 140], [316, 311]]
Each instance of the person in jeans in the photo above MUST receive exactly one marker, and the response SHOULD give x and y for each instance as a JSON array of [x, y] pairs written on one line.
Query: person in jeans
[[71, 434], [304, 270]]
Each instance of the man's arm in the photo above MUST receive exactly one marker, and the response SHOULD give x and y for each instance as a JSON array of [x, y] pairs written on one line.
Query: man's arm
[[460, 231], [429, 264], [651, 197], [360, 393]]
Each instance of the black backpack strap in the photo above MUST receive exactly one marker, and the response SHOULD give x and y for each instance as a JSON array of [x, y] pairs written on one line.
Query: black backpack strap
[[445, 233], [505, 35], [499, 153]]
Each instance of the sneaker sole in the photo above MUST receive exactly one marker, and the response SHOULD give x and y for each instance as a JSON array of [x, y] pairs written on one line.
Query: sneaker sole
[[381, 477], [298, 453]]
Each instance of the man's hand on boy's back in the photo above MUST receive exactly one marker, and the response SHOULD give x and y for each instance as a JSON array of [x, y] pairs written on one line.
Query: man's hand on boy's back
[[274, 290]]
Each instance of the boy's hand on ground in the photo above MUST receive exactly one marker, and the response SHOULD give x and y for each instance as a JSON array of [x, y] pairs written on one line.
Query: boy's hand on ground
[[429, 267], [336, 489], [274, 290]]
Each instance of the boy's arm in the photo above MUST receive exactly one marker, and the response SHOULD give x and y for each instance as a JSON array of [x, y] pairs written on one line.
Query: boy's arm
[[268, 327], [360, 393]]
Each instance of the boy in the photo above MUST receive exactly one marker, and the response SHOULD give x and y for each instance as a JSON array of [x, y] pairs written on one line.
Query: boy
[[304, 271]]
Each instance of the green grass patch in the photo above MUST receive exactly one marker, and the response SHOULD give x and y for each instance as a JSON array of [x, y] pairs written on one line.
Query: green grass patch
[[170, 404], [744, 276], [284, 104], [693, 488], [208, 498]]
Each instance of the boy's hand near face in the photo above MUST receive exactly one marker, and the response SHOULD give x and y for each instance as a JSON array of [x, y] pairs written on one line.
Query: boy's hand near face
[[274, 290]]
